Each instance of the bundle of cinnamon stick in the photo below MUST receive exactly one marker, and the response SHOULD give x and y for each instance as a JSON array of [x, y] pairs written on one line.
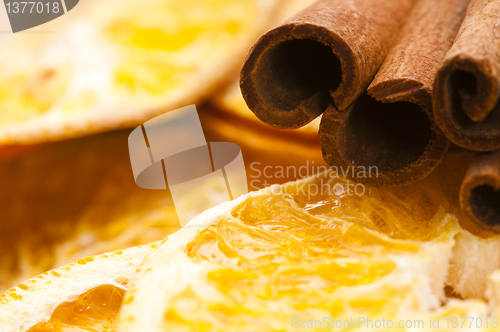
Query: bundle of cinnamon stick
[[395, 81]]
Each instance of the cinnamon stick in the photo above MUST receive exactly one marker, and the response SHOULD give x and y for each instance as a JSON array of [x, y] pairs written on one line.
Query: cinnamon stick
[[331, 50], [392, 127], [467, 87], [480, 191]]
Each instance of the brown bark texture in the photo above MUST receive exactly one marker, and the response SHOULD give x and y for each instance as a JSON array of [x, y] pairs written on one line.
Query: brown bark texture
[[467, 87], [392, 127], [480, 191], [330, 51]]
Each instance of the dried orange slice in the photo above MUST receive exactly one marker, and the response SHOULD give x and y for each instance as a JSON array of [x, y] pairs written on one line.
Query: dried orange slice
[[75, 198], [82, 296], [71, 199], [309, 250], [117, 63], [278, 259]]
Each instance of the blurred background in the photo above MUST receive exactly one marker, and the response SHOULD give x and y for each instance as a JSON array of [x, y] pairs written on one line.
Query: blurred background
[[73, 89]]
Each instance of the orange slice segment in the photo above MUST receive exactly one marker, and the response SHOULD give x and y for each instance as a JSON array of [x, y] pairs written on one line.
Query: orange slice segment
[[94, 310], [82, 296], [310, 250]]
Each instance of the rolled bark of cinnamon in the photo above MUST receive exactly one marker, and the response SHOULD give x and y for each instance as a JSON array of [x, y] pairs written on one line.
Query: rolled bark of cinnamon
[[480, 191], [392, 129], [332, 49], [467, 87]]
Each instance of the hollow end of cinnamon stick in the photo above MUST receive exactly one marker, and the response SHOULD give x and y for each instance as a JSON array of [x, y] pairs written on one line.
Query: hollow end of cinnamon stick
[[397, 142], [326, 54], [467, 87], [480, 191], [289, 74], [466, 103]]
